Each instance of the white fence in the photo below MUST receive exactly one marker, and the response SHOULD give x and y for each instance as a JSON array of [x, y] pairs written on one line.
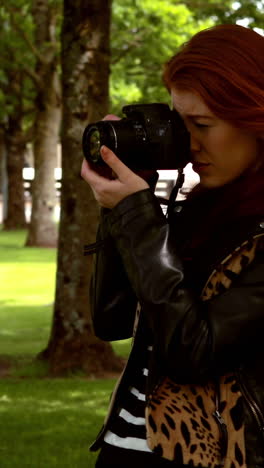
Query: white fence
[[165, 183]]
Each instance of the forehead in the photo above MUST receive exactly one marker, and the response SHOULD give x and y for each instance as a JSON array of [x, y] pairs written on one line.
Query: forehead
[[189, 103]]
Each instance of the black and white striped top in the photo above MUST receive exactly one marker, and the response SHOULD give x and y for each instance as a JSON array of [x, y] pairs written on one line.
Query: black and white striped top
[[128, 429]]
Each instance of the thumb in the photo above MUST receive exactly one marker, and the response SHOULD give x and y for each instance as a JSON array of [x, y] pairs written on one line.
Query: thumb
[[117, 166]]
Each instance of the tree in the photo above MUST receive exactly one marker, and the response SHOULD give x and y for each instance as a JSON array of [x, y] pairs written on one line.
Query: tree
[[13, 108], [42, 229], [3, 170], [31, 51], [85, 76], [16, 146], [145, 34], [249, 12]]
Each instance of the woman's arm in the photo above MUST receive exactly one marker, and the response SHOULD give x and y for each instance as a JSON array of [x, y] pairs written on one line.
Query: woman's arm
[[113, 302], [190, 337]]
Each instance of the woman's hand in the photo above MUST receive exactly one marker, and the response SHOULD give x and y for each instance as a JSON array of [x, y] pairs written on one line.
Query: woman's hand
[[108, 192]]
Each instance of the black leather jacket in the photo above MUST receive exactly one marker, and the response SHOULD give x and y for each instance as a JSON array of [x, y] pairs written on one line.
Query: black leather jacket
[[192, 340]]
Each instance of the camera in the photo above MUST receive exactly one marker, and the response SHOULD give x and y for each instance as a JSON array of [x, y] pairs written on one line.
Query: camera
[[151, 136]]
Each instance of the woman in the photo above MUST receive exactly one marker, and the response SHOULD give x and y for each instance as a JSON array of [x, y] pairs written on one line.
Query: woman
[[191, 286]]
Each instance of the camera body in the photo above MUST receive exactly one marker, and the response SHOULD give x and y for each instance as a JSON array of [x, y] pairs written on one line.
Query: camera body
[[151, 136]]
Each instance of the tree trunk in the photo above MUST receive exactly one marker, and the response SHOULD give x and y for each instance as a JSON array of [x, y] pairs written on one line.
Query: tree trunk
[[15, 145], [3, 172], [43, 229], [85, 75]]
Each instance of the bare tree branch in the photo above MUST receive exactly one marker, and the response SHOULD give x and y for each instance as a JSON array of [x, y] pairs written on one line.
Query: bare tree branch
[[22, 33], [34, 76], [9, 56]]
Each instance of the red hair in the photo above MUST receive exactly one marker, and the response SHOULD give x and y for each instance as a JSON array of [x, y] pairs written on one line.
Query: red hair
[[225, 66]]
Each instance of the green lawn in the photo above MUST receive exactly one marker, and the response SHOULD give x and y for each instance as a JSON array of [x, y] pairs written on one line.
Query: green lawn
[[27, 279], [44, 423], [48, 423]]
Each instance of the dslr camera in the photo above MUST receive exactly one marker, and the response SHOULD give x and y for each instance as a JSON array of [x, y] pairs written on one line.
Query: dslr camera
[[150, 136]]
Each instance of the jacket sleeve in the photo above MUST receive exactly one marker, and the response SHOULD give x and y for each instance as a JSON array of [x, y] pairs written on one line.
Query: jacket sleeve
[[191, 338], [113, 301]]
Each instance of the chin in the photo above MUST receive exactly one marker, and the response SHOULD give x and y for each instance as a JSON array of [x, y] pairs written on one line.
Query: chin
[[211, 183]]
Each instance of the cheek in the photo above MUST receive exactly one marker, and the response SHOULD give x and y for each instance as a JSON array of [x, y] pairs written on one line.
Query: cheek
[[235, 148], [224, 141]]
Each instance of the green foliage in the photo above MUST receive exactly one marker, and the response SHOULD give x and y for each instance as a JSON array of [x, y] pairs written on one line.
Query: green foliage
[[16, 30], [248, 12], [145, 34], [19, 56], [252, 10]]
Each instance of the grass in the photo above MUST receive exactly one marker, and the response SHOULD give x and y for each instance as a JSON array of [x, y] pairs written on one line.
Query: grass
[[44, 423], [27, 278], [50, 423]]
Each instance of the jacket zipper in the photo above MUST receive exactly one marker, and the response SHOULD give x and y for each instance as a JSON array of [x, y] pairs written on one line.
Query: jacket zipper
[[252, 404]]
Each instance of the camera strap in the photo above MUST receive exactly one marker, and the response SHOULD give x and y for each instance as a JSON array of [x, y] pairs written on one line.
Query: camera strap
[[174, 193]]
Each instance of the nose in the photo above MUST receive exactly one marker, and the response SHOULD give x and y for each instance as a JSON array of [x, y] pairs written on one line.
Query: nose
[[195, 144]]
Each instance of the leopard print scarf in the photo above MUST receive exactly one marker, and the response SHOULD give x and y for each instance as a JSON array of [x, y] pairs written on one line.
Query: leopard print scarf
[[180, 419]]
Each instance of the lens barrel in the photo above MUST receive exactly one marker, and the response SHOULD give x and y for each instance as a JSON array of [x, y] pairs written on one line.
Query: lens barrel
[[150, 137]]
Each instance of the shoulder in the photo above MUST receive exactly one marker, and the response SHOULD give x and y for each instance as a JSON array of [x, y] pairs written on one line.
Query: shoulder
[[245, 261]]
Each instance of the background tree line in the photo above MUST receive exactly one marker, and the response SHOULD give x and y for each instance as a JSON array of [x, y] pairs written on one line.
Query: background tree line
[[63, 65]]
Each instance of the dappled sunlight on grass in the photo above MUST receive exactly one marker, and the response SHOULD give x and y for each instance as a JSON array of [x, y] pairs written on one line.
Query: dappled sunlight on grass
[[27, 284], [57, 418], [8, 332], [5, 399], [122, 348], [51, 422], [24, 330]]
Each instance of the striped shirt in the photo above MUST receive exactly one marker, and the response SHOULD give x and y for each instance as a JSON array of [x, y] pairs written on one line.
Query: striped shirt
[[128, 429]]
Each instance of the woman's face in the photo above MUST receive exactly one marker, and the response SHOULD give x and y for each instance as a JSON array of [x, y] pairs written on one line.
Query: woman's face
[[220, 152]]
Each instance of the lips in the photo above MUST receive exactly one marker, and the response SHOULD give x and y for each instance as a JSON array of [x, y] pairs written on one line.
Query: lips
[[199, 166]]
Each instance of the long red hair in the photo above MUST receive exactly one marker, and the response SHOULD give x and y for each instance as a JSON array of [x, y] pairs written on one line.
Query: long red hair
[[225, 66]]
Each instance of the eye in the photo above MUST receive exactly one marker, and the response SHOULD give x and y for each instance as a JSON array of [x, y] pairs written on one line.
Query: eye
[[200, 125]]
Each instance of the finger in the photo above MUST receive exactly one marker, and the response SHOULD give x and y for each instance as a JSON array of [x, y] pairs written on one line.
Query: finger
[[103, 171], [86, 170], [117, 166], [111, 117], [113, 175], [92, 176]]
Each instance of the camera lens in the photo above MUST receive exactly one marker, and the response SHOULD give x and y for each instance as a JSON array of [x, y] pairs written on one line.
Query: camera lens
[[94, 144], [94, 136]]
